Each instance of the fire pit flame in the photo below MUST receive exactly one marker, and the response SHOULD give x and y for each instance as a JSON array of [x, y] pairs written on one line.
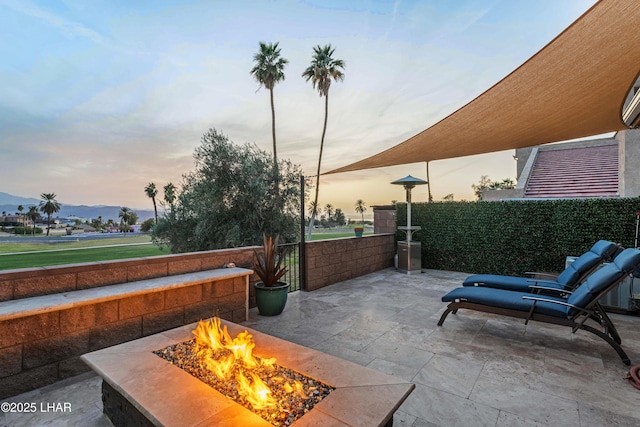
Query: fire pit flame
[[277, 394], [211, 338], [258, 394]]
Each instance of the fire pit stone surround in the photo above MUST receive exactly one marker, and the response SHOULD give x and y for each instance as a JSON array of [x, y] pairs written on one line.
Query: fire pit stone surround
[[164, 394]]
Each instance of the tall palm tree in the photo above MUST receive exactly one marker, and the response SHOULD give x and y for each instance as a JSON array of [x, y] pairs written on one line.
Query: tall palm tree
[[269, 70], [33, 215], [328, 208], [430, 198], [151, 191], [124, 214], [313, 210], [170, 196], [361, 208], [322, 70], [20, 209], [49, 205]]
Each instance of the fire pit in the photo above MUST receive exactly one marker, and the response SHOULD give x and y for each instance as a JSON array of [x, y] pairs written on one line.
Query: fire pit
[[277, 394], [141, 387]]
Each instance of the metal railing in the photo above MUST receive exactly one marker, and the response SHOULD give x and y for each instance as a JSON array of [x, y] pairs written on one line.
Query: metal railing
[[292, 261]]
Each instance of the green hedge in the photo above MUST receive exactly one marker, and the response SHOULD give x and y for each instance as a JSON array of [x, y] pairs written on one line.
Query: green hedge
[[512, 237]]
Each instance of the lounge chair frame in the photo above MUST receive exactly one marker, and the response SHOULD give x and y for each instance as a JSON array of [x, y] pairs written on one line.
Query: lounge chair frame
[[593, 311]]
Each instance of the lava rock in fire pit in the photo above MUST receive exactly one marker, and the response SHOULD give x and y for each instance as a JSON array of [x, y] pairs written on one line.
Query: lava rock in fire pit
[[249, 381]]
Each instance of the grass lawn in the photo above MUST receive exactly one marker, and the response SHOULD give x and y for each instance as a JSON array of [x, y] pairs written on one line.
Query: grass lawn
[[40, 259], [323, 236], [27, 246], [31, 254], [28, 255]]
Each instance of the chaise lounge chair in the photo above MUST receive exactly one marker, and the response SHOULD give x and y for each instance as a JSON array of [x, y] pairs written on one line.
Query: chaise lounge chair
[[573, 275], [574, 311]]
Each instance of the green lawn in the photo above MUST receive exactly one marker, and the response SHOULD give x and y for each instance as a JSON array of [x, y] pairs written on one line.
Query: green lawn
[[29, 254], [40, 259], [323, 236], [28, 246]]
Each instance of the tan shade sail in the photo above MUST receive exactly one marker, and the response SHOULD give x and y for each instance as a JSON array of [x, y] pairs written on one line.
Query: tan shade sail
[[574, 87]]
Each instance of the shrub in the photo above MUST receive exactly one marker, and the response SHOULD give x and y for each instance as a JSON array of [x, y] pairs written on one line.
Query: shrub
[[511, 237], [230, 199]]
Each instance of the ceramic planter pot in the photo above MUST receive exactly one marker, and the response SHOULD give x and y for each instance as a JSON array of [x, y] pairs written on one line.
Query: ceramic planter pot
[[358, 231], [271, 300]]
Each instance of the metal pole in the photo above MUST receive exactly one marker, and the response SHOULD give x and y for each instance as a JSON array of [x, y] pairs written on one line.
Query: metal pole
[[302, 263], [637, 223], [408, 213]]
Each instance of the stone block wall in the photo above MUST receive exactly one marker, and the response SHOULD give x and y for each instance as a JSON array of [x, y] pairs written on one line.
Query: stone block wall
[[336, 260], [29, 282], [41, 349], [384, 219]]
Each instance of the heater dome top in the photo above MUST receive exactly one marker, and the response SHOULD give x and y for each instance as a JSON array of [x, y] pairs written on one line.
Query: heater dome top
[[409, 181]]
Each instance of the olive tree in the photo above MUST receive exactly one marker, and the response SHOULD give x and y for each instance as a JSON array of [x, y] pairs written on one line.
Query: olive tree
[[229, 201]]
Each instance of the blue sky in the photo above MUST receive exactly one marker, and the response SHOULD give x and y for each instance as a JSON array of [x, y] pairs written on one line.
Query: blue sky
[[99, 97]]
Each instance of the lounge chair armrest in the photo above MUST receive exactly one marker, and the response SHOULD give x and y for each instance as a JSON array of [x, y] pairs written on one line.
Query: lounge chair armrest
[[566, 304], [542, 281], [536, 273], [547, 288]]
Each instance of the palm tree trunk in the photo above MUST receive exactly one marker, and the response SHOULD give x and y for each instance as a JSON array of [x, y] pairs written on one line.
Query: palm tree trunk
[[273, 129], [430, 199], [155, 208], [324, 130], [276, 174], [48, 223]]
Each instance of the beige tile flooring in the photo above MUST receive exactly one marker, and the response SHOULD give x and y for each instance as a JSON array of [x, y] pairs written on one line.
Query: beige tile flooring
[[476, 370]]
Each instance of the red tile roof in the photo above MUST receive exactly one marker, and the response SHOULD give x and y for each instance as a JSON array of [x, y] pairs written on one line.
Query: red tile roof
[[575, 173]]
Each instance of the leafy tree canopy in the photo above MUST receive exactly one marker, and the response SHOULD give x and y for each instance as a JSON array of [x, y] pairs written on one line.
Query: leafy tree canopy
[[228, 201]]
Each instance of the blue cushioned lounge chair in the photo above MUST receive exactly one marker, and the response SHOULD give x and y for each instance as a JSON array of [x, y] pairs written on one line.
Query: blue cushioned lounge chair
[[573, 275], [580, 306]]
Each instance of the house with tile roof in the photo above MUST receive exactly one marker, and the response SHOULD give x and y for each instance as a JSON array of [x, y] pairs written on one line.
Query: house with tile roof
[[604, 167]]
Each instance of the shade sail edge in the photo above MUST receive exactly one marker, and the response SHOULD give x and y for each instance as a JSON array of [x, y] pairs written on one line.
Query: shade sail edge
[[547, 99]]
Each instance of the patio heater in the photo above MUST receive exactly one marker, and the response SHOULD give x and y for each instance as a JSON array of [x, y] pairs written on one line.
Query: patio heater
[[409, 252]]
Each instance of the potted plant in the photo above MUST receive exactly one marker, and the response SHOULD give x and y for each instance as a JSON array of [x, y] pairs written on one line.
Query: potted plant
[[271, 293]]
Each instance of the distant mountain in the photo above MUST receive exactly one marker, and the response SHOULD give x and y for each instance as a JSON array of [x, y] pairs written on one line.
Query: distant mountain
[[10, 199], [9, 204]]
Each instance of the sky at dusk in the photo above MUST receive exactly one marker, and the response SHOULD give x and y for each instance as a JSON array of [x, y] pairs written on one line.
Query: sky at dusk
[[99, 98]]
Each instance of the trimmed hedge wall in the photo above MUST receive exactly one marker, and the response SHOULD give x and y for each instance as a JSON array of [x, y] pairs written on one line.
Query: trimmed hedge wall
[[511, 237]]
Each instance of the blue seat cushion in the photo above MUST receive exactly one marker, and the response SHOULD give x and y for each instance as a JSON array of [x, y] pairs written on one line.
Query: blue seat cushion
[[506, 299], [600, 251], [624, 264], [510, 283]]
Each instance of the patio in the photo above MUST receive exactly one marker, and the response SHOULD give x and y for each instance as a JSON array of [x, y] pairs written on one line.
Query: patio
[[476, 370]]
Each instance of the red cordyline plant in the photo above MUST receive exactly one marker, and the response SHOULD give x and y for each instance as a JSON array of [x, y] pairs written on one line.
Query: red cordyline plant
[[268, 265]]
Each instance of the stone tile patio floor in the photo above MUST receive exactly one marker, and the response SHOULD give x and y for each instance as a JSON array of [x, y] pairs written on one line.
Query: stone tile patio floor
[[476, 370]]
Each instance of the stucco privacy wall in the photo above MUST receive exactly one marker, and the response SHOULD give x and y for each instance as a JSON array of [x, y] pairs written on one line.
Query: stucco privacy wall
[[335, 260]]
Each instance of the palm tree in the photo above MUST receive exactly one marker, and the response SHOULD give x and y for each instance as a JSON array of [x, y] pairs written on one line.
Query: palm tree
[[33, 215], [321, 71], [49, 205], [269, 70], [313, 210], [361, 208], [170, 196], [151, 193], [20, 209], [124, 214], [328, 208], [430, 198]]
